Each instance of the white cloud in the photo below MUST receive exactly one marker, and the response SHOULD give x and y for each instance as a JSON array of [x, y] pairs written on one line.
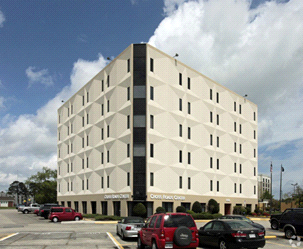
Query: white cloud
[[29, 142], [41, 77], [258, 52], [2, 19]]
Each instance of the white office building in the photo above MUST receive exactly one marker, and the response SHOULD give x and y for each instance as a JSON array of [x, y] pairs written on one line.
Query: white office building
[[149, 129]]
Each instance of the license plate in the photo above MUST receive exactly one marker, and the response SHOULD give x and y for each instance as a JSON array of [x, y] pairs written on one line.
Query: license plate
[[252, 236], [169, 246]]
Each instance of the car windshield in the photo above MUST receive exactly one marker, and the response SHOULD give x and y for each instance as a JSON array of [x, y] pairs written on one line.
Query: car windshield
[[239, 224], [178, 220], [134, 220]]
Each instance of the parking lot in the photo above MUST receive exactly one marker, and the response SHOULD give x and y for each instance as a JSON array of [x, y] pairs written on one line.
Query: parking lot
[[19, 230]]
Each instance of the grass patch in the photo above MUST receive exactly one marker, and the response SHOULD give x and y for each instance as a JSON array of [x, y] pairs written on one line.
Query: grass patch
[[102, 217]]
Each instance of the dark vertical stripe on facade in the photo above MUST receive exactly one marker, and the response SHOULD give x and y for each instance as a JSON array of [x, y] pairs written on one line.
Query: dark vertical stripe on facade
[[139, 130]]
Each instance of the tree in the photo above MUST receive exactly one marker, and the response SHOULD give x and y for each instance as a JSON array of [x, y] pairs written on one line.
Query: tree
[[197, 208], [267, 196], [139, 210], [43, 185], [19, 189], [213, 206]]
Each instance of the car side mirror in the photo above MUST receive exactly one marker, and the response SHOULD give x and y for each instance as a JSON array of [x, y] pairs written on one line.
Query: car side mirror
[[201, 228]]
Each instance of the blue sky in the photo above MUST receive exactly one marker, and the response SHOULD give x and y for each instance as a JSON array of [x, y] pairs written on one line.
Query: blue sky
[[49, 49]]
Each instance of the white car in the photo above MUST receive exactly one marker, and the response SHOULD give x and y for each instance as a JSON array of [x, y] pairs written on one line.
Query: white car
[[129, 227]]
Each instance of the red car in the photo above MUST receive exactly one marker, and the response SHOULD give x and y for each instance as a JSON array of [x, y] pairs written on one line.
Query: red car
[[63, 214], [174, 230]]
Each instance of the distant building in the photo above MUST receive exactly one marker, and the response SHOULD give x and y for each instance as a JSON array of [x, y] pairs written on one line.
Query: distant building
[[150, 129], [264, 184], [6, 200]]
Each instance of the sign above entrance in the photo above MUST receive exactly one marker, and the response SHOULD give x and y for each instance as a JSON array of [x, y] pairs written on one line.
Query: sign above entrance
[[167, 197], [120, 196]]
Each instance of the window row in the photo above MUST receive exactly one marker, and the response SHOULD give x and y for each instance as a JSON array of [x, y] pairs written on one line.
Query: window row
[[181, 131], [152, 179]]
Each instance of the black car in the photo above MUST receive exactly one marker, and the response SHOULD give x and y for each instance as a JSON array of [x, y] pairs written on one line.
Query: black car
[[45, 209], [231, 233], [291, 222], [241, 217]]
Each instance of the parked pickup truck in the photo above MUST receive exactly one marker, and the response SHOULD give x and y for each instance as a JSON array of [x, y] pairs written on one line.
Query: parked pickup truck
[[30, 208]]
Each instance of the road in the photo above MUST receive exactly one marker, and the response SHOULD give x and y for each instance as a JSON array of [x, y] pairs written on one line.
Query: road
[[19, 230]]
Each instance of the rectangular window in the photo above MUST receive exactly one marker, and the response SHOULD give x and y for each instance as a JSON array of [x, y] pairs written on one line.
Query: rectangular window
[[67, 130], [211, 139], [235, 106], [217, 97], [151, 64], [188, 133], [180, 156], [211, 162], [188, 183], [83, 100], [211, 117], [218, 186], [107, 80], [102, 85], [128, 93], [235, 167], [82, 163], [68, 168], [152, 93], [108, 181], [218, 140], [240, 109], [87, 162], [102, 109], [71, 128], [180, 104], [254, 190], [71, 186], [87, 97], [254, 171], [128, 65], [128, 122], [235, 187], [87, 118], [102, 158], [180, 181], [128, 150], [211, 185], [235, 147], [68, 111], [151, 179], [82, 184], [128, 179], [102, 182], [254, 134], [188, 108], [188, 83], [240, 149], [108, 156], [108, 131], [254, 152], [218, 163], [86, 183], [189, 158], [86, 140], [254, 116], [67, 149], [151, 150], [102, 134], [180, 79], [180, 130], [235, 126], [107, 105], [151, 121], [240, 168], [240, 188], [82, 121], [240, 129], [218, 121], [211, 94]]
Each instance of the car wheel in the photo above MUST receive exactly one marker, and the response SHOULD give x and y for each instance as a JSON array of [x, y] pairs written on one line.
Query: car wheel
[[154, 245], [77, 218], [123, 236], [140, 245], [182, 236], [223, 244], [25, 211], [274, 225], [55, 219], [289, 233]]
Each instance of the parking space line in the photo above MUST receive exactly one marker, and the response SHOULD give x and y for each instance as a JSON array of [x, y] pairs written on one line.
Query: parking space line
[[280, 245], [8, 236], [118, 245]]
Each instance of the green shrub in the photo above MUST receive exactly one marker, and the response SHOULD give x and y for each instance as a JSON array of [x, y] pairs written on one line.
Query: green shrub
[[160, 210], [197, 208], [180, 209], [105, 217], [190, 212], [239, 210], [139, 210], [216, 216], [213, 206]]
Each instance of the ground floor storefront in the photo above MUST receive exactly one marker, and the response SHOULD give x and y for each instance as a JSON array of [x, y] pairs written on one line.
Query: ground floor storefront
[[122, 204]]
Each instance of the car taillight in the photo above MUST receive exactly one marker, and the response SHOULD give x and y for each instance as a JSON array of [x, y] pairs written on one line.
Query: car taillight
[[128, 228], [162, 234], [42, 211], [261, 234], [239, 235]]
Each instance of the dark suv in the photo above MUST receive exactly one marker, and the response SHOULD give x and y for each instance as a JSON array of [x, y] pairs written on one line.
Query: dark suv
[[45, 209], [174, 230], [291, 222]]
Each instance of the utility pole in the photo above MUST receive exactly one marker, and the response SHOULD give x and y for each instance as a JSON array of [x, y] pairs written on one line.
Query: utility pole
[[270, 188]]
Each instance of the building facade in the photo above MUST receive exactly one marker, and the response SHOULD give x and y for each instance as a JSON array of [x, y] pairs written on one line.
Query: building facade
[[264, 184], [150, 129]]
